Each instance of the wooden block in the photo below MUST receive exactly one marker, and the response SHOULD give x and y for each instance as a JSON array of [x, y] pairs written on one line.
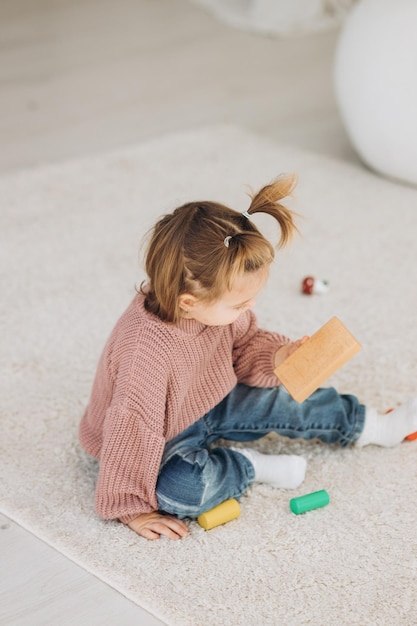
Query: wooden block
[[317, 359]]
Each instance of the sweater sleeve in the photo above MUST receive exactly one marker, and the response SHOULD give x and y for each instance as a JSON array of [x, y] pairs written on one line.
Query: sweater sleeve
[[133, 433], [129, 465], [254, 352]]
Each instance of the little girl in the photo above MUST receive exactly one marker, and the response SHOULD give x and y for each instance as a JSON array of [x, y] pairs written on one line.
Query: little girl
[[187, 365]]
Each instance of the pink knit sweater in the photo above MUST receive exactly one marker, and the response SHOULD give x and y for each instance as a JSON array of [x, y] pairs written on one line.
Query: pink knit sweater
[[153, 381]]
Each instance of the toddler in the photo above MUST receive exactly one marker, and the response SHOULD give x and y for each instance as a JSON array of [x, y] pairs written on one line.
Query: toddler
[[187, 365]]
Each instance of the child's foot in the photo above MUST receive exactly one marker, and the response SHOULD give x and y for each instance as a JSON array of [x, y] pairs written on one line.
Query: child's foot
[[391, 428], [279, 470]]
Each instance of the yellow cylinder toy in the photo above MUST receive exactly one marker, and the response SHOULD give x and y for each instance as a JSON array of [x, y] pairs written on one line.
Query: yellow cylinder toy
[[220, 514]]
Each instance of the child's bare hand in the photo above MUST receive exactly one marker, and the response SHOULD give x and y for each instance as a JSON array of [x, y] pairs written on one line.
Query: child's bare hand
[[153, 525], [285, 351]]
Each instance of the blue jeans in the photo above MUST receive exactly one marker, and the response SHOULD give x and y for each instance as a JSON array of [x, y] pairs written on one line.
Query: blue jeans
[[194, 476]]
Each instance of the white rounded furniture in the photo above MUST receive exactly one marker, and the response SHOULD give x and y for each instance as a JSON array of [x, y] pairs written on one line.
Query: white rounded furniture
[[375, 77]]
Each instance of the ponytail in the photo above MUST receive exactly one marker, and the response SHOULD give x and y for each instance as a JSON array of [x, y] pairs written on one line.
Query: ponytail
[[267, 200]]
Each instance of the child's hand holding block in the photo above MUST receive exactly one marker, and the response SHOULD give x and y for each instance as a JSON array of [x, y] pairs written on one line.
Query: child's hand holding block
[[317, 359]]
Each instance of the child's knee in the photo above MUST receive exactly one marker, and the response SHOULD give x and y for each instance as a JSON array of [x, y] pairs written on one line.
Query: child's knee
[[181, 488]]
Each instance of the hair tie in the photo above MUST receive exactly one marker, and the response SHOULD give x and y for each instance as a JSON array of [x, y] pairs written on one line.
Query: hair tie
[[227, 241], [246, 214]]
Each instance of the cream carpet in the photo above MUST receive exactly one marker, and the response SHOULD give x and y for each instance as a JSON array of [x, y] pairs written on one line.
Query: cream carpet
[[69, 261]]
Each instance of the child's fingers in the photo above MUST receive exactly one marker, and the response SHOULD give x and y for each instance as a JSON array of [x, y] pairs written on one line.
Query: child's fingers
[[149, 534], [177, 526], [292, 347], [155, 531], [153, 525], [299, 342], [170, 527]]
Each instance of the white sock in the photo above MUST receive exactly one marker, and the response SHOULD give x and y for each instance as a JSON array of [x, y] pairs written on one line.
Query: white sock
[[391, 428], [279, 470]]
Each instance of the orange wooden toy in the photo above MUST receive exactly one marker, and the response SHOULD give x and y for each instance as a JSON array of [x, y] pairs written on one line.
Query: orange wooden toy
[[318, 358]]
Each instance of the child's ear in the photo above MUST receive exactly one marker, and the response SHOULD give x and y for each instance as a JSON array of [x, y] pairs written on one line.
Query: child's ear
[[186, 302]]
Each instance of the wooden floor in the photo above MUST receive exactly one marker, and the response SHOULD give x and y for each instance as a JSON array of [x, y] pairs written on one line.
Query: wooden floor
[[39, 586], [83, 76], [80, 76]]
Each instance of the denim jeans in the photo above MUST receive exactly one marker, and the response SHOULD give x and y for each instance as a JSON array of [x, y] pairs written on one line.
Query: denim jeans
[[195, 476]]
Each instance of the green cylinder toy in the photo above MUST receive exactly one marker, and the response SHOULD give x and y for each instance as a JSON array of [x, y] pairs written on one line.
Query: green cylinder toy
[[309, 502]]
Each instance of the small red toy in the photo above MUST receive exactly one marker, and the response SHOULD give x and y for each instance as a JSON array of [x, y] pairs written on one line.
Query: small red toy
[[311, 285]]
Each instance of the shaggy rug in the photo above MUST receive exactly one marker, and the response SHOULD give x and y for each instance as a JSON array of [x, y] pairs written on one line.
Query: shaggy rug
[[69, 262]]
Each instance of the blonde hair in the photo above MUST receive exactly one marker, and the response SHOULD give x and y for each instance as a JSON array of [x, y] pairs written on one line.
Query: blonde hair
[[202, 246]]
